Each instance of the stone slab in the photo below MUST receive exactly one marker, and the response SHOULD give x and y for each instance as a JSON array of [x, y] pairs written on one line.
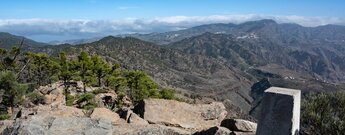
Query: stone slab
[[280, 114]]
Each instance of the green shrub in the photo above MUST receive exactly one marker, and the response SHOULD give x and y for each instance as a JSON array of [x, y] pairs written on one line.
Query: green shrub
[[35, 98], [167, 94], [85, 97], [70, 100], [98, 91], [119, 102], [86, 101], [90, 105], [323, 114], [4, 116]]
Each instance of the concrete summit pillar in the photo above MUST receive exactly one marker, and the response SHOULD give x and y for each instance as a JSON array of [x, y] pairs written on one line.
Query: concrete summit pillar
[[280, 112]]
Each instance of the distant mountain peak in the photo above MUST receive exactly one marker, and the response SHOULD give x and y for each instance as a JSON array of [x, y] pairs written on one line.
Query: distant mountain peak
[[267, 21], [264, 22]]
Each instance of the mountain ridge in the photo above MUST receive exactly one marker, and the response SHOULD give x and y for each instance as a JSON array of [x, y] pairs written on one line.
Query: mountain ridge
[[217, 66], [235, 29], [190, 74], [8, 40]]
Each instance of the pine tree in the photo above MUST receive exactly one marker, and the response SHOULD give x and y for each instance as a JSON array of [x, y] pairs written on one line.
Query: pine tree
[[65, 73], [8, 58], [42, 67], [115, 81], [141, 86], [100, 68], [13, 90], [84, 68]]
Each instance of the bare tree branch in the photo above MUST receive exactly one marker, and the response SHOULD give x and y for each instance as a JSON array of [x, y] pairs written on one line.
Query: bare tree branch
[[20, 47]]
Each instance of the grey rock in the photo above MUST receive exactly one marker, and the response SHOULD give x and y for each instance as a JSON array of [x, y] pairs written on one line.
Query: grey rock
[[214, 131], [239, 125], [135, 119], [106, 114], [39, 125], [180, 114], [151, 129], [4, 124]]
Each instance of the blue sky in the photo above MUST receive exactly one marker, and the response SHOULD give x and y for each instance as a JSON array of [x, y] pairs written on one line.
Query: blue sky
[[46, 20], [114, 9]]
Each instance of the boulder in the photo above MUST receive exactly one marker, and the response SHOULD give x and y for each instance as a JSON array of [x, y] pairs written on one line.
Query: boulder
[[26, 112], [48, 99], [135, 119], [151, 129], [60, 111], [239, 125], [57, 120], [41, 125], [236, 112], [180, 114], [131, 118], [105, 113], [52, 99], [53, 93], [214, 131], [4, 124], [48, 110]]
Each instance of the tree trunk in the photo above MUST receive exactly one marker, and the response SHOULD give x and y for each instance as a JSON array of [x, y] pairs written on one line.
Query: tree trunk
[[84, 86], [12, 103], [65, 86], [99, 81]]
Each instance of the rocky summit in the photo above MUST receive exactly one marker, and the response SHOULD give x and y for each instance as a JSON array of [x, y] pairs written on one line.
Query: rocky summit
[[150, 116]]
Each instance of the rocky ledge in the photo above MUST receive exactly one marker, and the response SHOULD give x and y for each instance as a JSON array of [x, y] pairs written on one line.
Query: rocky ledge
[[149, 117]]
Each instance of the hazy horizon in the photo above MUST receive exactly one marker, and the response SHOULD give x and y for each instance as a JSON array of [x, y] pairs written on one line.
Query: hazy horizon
[[53, 20]]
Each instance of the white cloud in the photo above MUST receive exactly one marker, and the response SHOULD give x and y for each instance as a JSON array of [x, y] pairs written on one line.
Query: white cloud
[[49, 29]]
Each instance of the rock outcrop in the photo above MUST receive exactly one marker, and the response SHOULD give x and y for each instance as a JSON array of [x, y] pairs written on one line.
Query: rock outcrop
[[103, 99], [57, 120], [151, 129], [54, 120], [53, 93], [48, 110], [151, 116], [180, 114], [52, 125]]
